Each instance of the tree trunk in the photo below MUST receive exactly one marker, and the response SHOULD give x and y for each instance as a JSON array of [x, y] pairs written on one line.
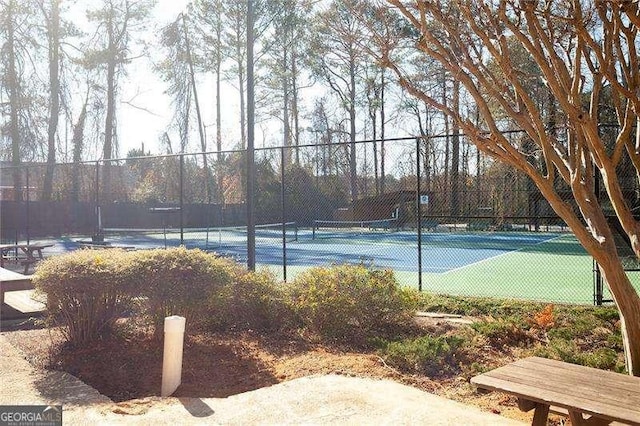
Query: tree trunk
[[218, 66], [109, 127], [353, 178], [626, 299], [294, 103], [243, 123], [286, 142], [374, 127], [455, 153], [54, 101], [14, 103], [77, 143], [382, 129]]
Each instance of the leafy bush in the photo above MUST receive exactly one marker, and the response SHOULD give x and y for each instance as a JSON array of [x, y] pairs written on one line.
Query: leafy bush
[[178, 281], [87, 291], [428, 355], [251, 301], [349, 302]]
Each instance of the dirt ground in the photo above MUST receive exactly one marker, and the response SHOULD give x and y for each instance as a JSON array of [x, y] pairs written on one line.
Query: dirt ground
[[227, 364]]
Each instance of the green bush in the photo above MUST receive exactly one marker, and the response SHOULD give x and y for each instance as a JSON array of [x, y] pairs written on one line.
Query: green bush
[[251, 301], [178, 281], [87, 291], [350, 302], [503, 331], [433, 356]]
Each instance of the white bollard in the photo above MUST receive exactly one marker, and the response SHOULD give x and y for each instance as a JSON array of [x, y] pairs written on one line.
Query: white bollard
[[172, 357]]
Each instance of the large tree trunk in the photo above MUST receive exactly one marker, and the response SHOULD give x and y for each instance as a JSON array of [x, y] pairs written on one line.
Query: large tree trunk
[[286, 131], [109, 128], [54, 94], [14, 103], [382, 129], [353, 178], [628, 302], [218, 66], [294, 103], [455, 153], [77, 143], [243, 117]]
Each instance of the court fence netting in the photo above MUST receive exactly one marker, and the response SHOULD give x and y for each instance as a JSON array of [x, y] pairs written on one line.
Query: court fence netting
[[479, 228]]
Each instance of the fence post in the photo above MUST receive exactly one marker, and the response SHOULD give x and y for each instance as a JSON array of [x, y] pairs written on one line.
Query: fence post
[[284, 218], [251, 167], [418, 214], [98, 219], [181, 201], [28, 200]]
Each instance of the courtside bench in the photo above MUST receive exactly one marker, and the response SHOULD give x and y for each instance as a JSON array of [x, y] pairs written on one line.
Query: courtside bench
[[587, 395], [13, 281]]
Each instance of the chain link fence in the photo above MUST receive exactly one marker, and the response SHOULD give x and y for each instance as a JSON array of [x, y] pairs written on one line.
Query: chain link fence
[[444, 217]]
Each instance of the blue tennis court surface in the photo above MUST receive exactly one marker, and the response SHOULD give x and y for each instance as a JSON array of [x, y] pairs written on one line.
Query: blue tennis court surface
[[441, 252], [399, 251]]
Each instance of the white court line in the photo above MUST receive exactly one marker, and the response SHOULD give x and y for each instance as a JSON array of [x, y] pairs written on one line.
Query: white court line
[[501, 254]]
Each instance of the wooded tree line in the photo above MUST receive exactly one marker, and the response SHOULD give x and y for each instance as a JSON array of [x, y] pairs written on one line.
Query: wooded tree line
[[316, 83]]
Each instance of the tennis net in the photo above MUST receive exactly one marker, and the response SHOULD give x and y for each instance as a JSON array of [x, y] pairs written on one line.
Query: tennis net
[[201, 237], [346, 228]]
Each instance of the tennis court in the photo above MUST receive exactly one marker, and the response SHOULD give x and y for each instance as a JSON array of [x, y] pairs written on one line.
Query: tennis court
[[544, 266]]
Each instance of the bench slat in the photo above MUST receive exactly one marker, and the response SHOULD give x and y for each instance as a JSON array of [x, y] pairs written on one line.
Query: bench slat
[[560, 399], [13, 281], [563, 396], [549, 382], [612, 387], [605, 378]]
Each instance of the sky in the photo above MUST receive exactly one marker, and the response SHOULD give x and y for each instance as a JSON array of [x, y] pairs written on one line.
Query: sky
[[144, 110]]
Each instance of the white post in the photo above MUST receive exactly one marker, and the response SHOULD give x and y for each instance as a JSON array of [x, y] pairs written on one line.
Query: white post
[[172, 357]]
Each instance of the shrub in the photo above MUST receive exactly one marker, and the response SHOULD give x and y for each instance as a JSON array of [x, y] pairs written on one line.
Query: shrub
[[350, 302], [503, 331], [428, 355], [251, 301], [87, 291], [178, 281]]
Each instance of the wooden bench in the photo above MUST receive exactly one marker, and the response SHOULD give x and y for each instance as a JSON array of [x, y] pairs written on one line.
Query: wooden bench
[[32, 253], [13, 281], [541, 384]]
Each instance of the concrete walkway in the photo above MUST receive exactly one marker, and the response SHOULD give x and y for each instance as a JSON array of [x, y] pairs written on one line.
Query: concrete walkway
[[325, 400]]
